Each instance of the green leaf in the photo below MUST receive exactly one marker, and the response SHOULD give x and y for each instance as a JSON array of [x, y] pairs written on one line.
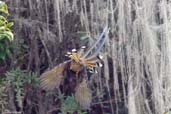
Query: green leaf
[[7, 35], [10, 24], [2, 46], [2, 56], [3, 7], [8, 52], [2, 28], [3, 20]]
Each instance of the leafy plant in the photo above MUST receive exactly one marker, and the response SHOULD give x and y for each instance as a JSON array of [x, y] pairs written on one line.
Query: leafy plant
[[69, 105], [18, 78], [3, 97], [3, 7], [32, 79], [6, 35]]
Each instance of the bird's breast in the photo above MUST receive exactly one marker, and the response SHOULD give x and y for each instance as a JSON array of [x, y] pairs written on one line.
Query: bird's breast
[[76, 67]]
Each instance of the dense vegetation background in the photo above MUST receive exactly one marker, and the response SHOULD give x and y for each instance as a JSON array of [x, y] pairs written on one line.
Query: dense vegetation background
[[135, 78]]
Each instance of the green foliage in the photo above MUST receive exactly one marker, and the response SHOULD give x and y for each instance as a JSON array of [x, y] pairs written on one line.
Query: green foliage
[[69, 105], [6, 35], [32, 79], [3, 97], [18, 78], [3, 7]]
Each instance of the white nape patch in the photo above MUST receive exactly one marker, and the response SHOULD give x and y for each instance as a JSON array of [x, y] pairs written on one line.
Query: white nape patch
[[74, 50], [100, 57], [99, 64], [91, 71], [69, 53], [83, 47]]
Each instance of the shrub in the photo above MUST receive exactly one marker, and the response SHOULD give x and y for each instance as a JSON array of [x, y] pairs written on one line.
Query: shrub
[[6, 35]]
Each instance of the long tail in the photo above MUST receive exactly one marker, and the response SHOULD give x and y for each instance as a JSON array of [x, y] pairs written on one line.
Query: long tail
[[98, 44]]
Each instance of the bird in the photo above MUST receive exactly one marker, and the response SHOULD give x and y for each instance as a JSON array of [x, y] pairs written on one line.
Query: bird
[[78, 60]]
